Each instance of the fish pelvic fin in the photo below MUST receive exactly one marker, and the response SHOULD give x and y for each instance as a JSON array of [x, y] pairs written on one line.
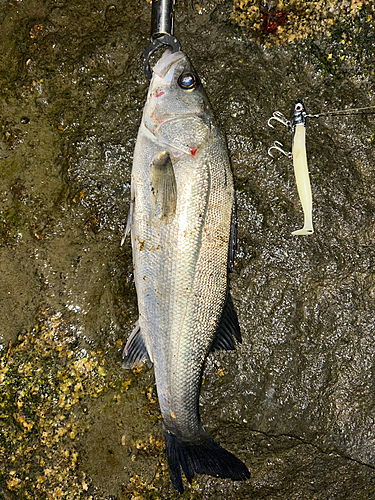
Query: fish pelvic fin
[[202, 456], [229, 329], [135, 352]]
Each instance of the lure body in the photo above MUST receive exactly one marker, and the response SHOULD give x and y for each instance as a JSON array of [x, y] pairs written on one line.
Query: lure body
[[301, 171]]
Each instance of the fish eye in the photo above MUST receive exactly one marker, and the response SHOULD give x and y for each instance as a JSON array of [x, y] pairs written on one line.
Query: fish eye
[[188, 81], [298, 107]]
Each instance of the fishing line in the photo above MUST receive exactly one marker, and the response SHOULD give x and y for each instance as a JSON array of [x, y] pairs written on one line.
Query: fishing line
[[369, 110]]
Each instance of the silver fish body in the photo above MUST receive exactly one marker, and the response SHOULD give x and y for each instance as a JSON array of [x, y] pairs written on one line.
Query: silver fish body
[[182, 231]]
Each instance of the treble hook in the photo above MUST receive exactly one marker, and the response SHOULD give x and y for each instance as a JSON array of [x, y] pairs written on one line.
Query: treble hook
[[280, 118], [277, 145]]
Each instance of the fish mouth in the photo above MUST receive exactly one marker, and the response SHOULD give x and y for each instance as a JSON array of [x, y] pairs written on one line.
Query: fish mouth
[[166, 62]]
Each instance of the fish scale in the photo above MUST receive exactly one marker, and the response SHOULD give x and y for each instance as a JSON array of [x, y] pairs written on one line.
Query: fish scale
[[181, 229]]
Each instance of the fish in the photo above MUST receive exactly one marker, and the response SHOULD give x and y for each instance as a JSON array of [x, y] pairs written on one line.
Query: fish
[[183, 232]]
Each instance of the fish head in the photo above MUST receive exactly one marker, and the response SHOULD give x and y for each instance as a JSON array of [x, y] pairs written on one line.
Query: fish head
[[177, 111]]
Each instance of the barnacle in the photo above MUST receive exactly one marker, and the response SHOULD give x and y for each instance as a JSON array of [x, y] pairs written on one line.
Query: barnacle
[[42, 378], [288, 20]]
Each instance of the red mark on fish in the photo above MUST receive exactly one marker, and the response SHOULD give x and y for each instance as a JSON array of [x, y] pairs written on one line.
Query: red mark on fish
[[193, 150], [159, 94]]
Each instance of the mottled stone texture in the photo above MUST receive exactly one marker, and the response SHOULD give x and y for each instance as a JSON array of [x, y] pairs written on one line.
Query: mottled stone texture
[[296, 400]]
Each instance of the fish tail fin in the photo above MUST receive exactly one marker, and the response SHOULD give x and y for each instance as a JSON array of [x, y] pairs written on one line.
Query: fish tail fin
[[202, 456]]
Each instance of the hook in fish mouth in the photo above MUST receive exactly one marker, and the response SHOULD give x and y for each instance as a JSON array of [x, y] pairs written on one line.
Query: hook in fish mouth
[[161, 40]]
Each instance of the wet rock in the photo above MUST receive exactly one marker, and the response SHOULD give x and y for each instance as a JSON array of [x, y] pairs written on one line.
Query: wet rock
[[296, 400]]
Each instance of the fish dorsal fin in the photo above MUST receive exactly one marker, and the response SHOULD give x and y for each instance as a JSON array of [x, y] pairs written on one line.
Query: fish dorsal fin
[[228, 329], [163, 185], [135, 352], [232, 238]]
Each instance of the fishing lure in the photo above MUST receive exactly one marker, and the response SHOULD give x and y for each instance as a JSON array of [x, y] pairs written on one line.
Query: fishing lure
[[297, 124]]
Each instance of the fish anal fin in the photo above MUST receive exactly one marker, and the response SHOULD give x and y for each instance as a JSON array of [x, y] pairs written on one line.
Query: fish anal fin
[[203, 456], [163, 185], [229, 329], [135, 352]]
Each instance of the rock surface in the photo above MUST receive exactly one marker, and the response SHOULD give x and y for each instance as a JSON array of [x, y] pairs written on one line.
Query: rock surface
[[296, 400]]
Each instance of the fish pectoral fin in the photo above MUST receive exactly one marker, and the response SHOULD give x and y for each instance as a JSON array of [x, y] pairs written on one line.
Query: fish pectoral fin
[[228, 329], [135, 352], [163, 185]]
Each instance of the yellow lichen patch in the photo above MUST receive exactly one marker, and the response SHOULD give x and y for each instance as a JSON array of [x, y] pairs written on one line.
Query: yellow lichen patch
[[138, 483], [138, 369], [21, 420], [125, 385], [140, 489], [151, 446], [151, 399], [13, 482], [42, 382], [35, 30], [289, 20]]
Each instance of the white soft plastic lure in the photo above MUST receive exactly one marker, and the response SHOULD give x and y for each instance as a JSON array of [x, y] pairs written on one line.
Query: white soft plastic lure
[[301, 172], [297, 124]]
